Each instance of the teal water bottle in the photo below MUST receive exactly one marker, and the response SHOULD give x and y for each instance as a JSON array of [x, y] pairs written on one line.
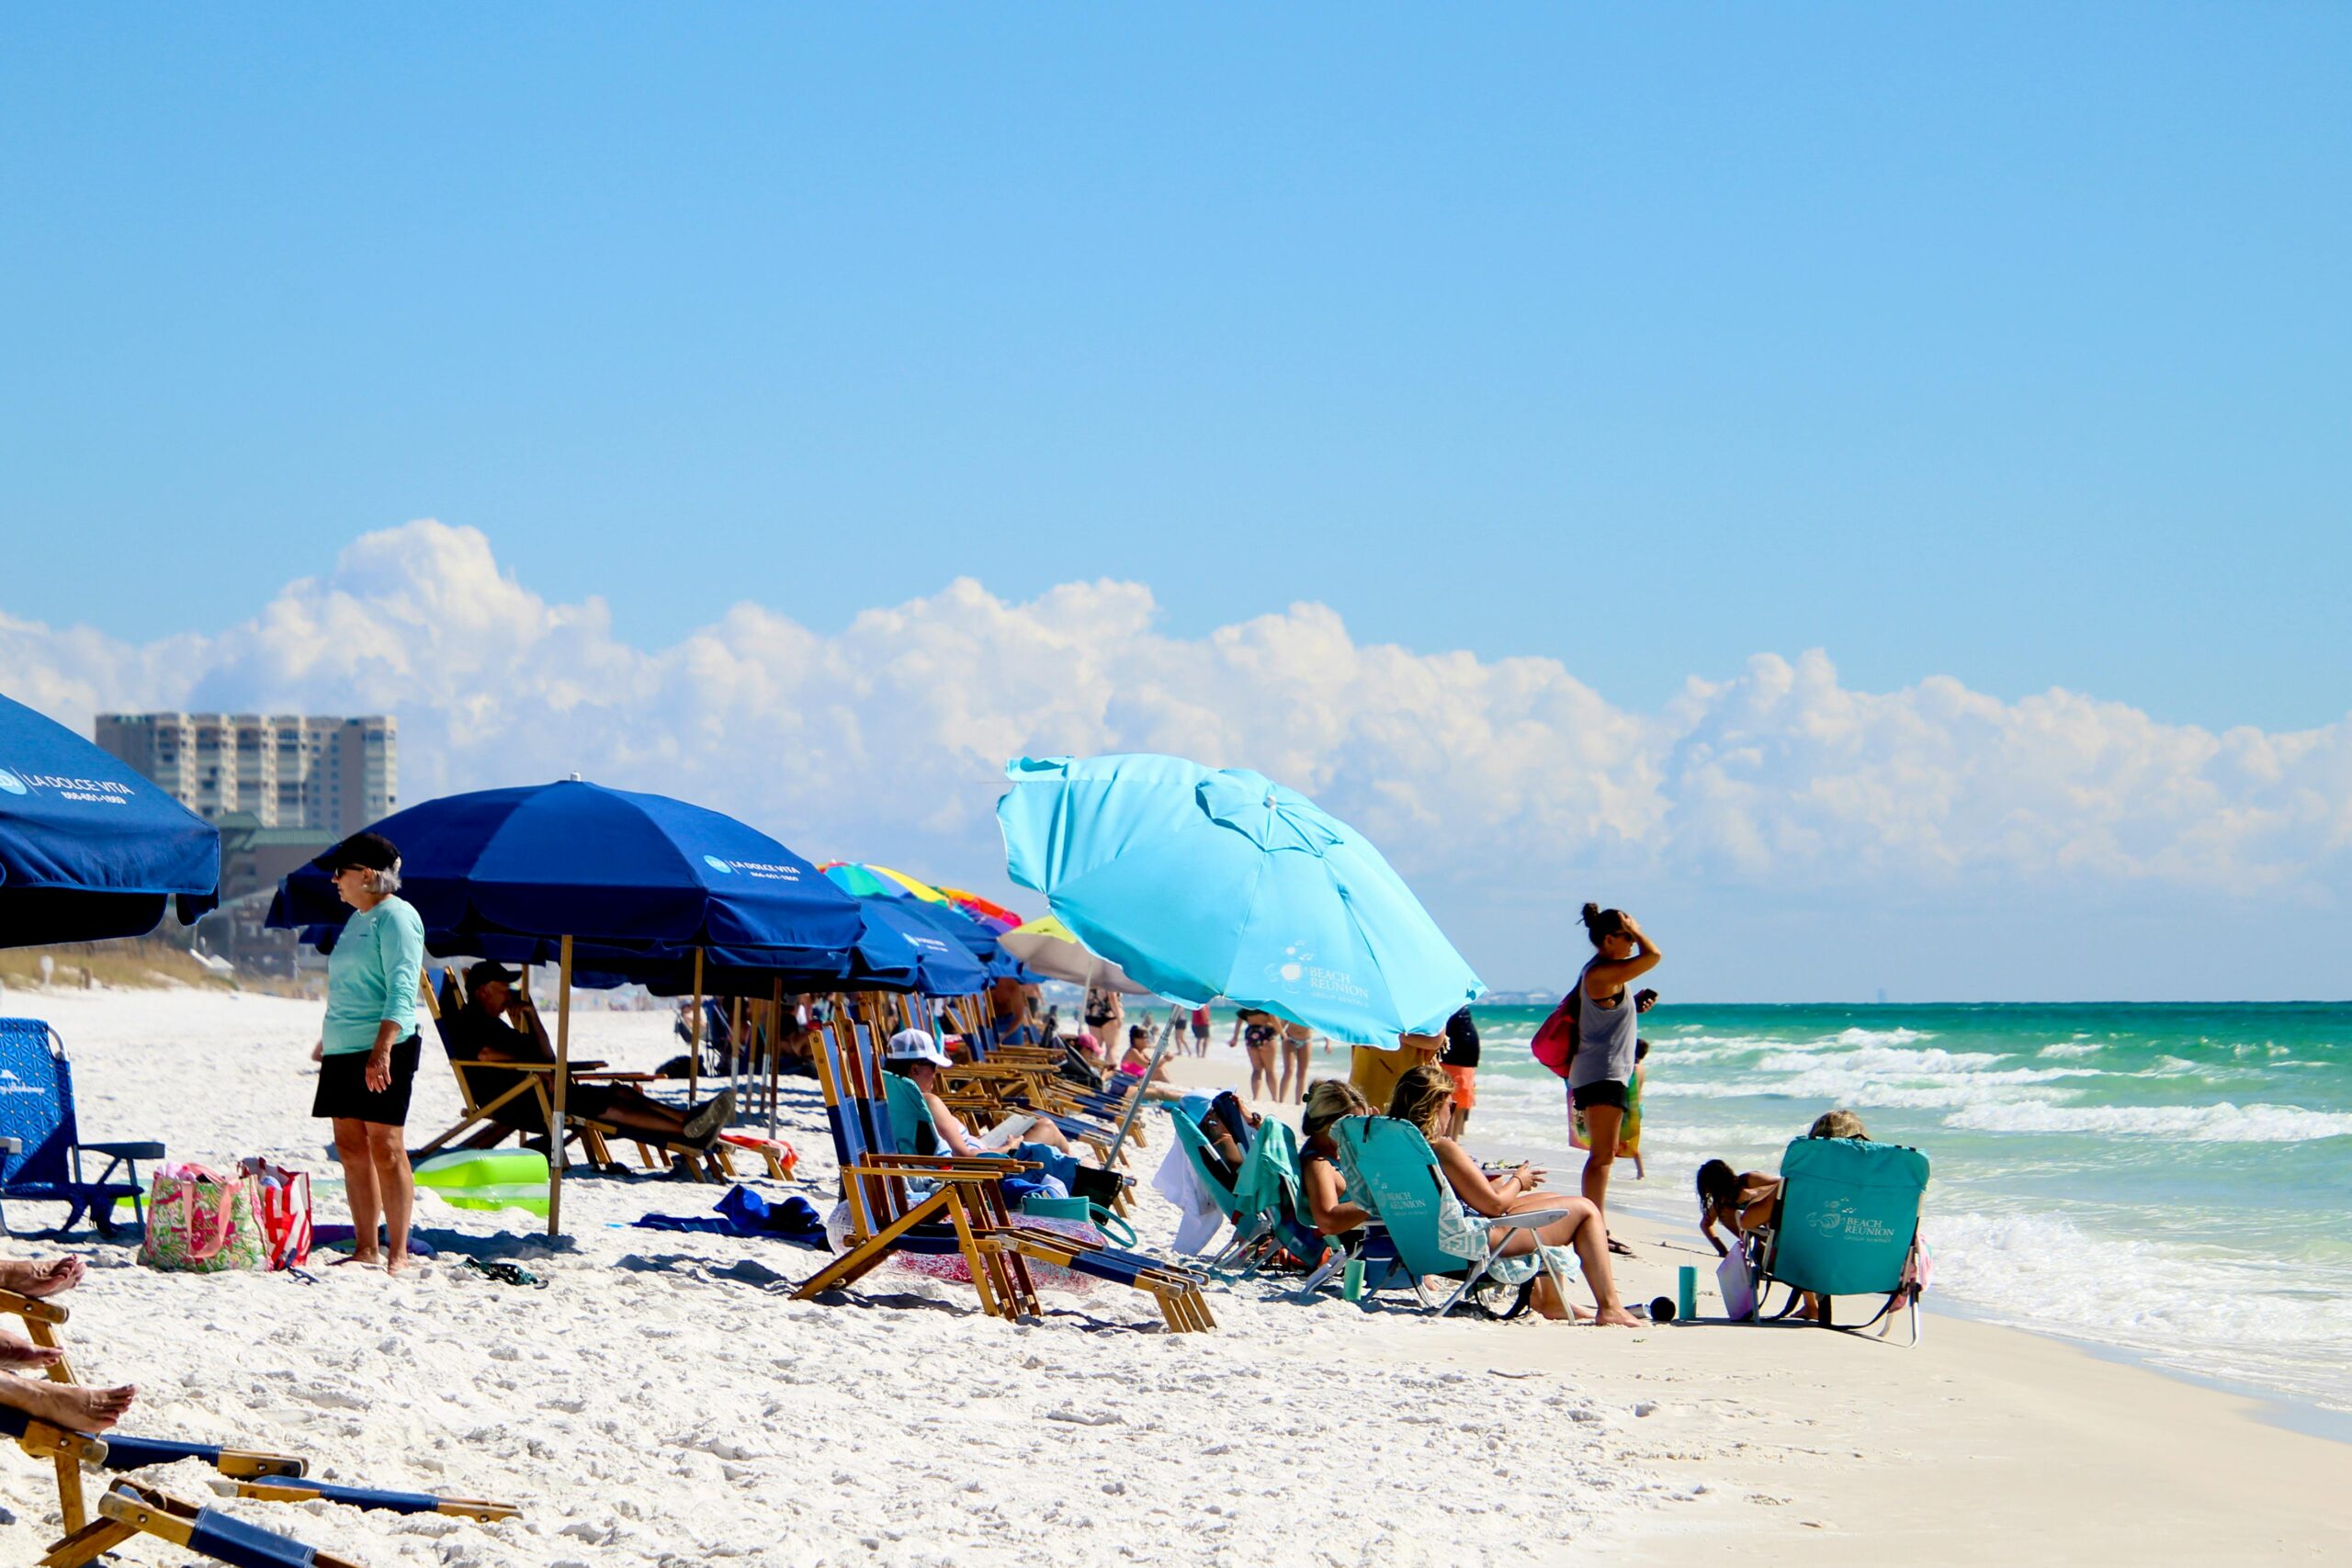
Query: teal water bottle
[[1685, 1292], [1351, 1280]]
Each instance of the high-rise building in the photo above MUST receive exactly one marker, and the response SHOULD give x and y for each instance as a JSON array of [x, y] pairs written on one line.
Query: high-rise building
[[332, 775]]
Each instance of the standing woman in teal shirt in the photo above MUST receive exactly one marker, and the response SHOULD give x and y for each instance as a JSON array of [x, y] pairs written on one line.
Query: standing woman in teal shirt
[[367, 1045]]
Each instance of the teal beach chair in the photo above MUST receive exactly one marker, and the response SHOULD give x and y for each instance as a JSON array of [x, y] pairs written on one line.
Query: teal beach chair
[[1847, 1223], [1391, 1168], [1261, 1201]]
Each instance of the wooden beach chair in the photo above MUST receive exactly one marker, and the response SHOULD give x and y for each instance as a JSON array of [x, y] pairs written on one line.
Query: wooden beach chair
[[965, 1211], [36, 1114], [130, 1510], [1846, 1224], [524, 1107], [254, 1473]]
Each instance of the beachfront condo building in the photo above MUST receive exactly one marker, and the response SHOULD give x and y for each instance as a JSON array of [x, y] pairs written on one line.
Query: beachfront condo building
[[328, 775]]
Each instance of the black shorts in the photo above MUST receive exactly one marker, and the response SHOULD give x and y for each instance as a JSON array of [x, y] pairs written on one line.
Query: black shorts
[[345, 1096], [1603, 1091]]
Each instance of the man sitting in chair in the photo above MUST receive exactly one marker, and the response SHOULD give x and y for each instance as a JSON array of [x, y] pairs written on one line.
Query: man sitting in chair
[[479, 1032]]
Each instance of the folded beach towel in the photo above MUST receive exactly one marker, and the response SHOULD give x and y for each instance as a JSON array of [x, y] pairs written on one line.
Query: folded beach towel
[[746, 1213]]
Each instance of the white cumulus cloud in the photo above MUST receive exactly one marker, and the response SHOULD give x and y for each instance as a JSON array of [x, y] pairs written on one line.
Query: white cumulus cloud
[[888, 737]]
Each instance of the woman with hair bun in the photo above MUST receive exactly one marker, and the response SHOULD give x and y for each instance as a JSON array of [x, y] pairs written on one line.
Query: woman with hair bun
[[1601, 1074], [367, 1044]]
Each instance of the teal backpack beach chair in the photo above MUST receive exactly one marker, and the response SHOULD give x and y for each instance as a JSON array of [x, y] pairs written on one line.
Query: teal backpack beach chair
[[1847, 1223], [1261, 1201], [1391, 1168]]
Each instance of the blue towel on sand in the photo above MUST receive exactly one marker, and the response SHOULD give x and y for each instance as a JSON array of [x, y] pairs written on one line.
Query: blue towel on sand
[[746, 1213]]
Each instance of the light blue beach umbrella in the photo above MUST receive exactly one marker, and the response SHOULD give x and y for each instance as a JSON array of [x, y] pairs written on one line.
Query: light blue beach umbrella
[[1200, 882]]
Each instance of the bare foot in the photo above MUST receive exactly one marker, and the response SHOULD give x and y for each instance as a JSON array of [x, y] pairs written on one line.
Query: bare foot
[[49, 1279], [70, 1405], [399, 1261], [365, 1259], [16, 1350], [1620, 1248], [1615, 1317]]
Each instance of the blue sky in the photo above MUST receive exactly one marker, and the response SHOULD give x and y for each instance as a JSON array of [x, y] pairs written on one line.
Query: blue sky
[[2006, 343]]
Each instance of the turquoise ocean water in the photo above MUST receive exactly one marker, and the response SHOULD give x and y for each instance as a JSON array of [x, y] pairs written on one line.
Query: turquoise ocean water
[[2173, 1180]]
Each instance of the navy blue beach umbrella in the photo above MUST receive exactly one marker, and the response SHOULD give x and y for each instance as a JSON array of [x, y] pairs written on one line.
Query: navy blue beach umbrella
[[580, 864], [88, 848], [578, 860]]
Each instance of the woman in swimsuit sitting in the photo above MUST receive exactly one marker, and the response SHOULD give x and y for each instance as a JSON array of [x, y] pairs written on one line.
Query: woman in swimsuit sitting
[[1424, 1097]]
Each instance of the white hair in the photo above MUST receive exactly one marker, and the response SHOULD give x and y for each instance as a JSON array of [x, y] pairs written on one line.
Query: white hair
[[386, 882]]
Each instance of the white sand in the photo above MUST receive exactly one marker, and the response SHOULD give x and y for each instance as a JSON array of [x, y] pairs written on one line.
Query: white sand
[[664, 1402]]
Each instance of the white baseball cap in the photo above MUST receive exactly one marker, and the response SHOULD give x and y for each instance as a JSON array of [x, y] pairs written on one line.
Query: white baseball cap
[[915, 1045]]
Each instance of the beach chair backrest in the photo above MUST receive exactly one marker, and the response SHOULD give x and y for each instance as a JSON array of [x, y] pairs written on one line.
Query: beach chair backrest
[[1389, 1163], [1848, 1215], [1196, 1145], [910, 1115], [36, 1103]]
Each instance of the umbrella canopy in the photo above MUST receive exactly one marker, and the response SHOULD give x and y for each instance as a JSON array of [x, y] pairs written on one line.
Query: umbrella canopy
[[944, 966], [1200, 882], [1047, 945], [868, 881], [996, 916], [574, 859], [88, 848]]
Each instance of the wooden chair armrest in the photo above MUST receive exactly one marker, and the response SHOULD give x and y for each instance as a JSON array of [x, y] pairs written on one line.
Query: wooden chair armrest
[[32, 1309], [919, 1164], [616, 1077], [505, 1066], [126, 1150]]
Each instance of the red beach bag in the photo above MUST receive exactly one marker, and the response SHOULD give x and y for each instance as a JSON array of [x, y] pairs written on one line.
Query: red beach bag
[[1556, 1038]]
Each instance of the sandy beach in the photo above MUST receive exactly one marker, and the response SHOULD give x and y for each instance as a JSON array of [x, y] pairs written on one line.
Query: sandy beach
[[664, 1402]]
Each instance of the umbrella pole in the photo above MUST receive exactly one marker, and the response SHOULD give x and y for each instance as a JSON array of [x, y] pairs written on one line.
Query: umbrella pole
[[694, 1038], [1159, 1049], [776, 1050], [735, 1047], [562, 1081]]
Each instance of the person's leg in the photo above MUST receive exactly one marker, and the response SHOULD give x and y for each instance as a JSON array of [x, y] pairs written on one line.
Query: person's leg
[[70, 1405], [1261, 1081], [359, 1188], [1581, 1228], [46, 1278], [395, 1188], [1600, 1123]]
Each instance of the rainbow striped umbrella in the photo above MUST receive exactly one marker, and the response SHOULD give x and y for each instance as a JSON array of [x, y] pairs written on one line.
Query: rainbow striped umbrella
[[996, 916], [864, 880]]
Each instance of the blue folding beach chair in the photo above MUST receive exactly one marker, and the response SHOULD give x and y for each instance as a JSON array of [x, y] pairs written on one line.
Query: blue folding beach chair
[[130, 1510], [36, 1110]]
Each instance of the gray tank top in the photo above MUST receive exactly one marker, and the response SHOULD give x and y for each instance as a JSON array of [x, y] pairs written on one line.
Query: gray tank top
[[1605, 1039]]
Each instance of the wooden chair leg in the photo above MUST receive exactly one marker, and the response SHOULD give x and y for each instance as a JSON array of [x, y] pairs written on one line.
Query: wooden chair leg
[[86, 1544], [853, 1265]]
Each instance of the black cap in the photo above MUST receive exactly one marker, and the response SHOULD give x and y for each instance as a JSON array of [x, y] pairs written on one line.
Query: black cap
[[489, 971], [372, 852]]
